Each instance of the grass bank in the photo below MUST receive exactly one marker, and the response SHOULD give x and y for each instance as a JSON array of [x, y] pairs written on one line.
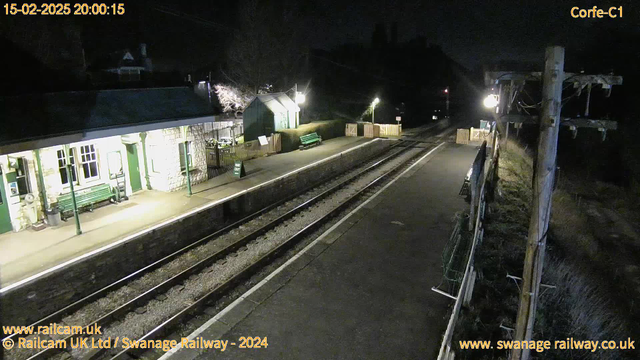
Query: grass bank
[[581, 305]]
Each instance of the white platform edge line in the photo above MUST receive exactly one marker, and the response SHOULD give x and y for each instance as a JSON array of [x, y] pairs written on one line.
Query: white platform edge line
[[174, 219], [257, 286]]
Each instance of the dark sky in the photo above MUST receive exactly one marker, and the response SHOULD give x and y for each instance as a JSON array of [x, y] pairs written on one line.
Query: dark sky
[[471, 32]]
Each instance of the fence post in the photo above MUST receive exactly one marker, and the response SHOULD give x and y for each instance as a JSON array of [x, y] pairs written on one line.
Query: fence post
[[469, 290], [217, 150]]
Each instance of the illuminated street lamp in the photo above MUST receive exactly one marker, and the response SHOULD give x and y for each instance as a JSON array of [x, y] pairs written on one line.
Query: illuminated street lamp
[[373, 110], [491, 101], [446, 91], [299, 98]]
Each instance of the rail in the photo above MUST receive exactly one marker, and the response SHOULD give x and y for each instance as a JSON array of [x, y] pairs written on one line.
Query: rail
[[145, 296], [251, 269], [478, 201]]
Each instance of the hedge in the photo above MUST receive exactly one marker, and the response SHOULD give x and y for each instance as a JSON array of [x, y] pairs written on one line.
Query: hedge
[[327, 129]]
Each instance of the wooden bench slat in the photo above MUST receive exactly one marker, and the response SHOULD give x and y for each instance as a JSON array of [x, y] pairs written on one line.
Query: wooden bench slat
[[309, 139], [85, 197]]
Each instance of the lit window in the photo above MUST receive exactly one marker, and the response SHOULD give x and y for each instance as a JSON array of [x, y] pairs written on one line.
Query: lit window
[[129, 75], [181, 150], [62, 167], [89, 161], [22, 176]]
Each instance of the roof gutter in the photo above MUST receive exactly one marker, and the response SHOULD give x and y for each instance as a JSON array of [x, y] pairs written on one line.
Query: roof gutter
[[68, 138]]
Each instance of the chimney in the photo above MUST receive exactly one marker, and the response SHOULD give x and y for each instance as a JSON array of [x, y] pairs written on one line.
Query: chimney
[[143, 50]]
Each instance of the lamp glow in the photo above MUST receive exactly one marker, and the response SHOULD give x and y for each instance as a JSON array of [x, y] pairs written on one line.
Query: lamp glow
[[490, 101], [300, 98], [373, 110]]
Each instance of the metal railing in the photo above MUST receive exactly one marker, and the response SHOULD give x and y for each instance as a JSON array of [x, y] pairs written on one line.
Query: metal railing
[[468, 280]]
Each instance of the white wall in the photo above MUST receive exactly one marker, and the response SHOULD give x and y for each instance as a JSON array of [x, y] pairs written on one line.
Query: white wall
[[164, 158], [162, 152]]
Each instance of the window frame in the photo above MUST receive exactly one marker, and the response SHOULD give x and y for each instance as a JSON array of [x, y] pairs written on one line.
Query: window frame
[[86, 159], [181, 145], [74, 166], [23, 167], [129, 75]]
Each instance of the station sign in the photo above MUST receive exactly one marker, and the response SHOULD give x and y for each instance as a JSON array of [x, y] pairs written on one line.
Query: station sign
[[238, 169]]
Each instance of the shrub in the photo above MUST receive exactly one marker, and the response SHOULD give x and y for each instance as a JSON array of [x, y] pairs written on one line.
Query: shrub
[[326, 129]]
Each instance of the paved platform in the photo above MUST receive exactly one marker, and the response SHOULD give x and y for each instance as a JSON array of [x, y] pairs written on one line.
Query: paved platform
[[26, 253], [363, 289]]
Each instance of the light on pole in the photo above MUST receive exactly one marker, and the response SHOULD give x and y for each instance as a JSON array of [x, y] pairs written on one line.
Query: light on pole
[[490, 101], [299, 98], [373, 110], [446, 91]]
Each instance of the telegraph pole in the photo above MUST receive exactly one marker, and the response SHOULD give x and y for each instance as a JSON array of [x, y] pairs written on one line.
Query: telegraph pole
[[542, 193]]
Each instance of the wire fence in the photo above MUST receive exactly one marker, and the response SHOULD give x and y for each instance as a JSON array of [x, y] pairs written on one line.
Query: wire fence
[[453, 279]]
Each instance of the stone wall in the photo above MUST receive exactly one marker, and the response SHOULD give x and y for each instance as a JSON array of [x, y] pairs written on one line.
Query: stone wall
[[34, 300], [162, 149], [164, 158]]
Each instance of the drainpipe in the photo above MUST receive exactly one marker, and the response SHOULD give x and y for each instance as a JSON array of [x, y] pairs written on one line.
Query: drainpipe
[[143, 138], [186, 164], [186, 158], [73, 194], [43, 191]]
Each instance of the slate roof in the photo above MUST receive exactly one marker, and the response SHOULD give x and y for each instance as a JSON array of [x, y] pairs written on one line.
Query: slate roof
[[278, 102], [41, 116]]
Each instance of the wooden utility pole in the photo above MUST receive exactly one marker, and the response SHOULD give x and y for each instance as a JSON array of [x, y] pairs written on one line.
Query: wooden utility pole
[[542, 193]]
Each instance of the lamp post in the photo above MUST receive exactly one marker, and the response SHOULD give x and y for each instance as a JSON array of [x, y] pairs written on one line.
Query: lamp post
[[373, 110], [71, 187], [446, 91]]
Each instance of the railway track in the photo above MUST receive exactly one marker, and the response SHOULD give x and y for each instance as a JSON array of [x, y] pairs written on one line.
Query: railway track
[[255, 266], [221, 257]]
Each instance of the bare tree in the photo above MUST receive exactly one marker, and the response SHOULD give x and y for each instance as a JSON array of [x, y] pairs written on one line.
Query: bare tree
[[267, 48]]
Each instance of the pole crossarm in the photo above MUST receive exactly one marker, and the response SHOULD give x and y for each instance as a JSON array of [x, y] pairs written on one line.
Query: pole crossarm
[[492, 77], [565, 121], [590, 123]]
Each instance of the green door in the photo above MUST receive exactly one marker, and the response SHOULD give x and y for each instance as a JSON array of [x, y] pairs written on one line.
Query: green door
[[134, 168], [5, 220]]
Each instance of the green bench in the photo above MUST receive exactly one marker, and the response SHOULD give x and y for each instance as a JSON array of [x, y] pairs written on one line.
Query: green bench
[[309, 140], [85, 197]]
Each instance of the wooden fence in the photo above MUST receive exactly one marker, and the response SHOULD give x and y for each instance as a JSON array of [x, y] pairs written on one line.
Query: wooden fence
[[224, 158], [390, 129], [377, 130], [351, 129]]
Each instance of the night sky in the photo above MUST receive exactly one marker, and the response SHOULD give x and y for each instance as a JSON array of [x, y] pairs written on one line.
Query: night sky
[[471, 32]]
